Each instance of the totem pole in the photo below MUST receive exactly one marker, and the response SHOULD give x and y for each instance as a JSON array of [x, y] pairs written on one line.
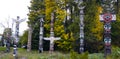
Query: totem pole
[[81, 12], [107, 17], [18, 21], [41, 35], [52, 38]]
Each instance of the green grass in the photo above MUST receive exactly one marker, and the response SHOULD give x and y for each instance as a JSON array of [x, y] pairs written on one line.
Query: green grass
[[2, 49], [23, 54], [96, 56]]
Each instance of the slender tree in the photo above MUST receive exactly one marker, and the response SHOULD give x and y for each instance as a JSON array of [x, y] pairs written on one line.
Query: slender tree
[[35, 10]]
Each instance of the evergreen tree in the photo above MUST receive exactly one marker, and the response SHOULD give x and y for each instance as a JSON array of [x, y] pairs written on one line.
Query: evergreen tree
[[24, 38], [68, 28], [93, 26], [115, 31], [36, 10]]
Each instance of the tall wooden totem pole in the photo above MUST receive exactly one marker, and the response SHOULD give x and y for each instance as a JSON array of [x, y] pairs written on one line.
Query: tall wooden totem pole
[[52, 38], [81, 13], [41, 35], [107, 16], [17, 21]]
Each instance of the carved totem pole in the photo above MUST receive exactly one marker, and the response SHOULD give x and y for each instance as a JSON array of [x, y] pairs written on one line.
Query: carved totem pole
[[52, 38], [107, 17], [41, 35], [81, 12], [18, 21]]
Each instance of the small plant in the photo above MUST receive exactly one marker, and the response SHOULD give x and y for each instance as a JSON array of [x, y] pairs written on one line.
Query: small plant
[[84, 55], [2, 49], [115, 53], [75, 55]]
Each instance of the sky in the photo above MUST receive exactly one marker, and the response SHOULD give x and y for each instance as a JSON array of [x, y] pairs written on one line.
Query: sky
[[10, 9]]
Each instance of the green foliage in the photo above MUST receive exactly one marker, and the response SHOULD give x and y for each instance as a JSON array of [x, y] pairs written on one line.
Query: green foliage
[[66, 39], [96, 56], [115, 53], [115, 31], [65, 44], [37, 9], [2, 49], [74, 55], [23, 54], [68, 30], [7, 33], [24, 38], [50, 6], [93, 27]]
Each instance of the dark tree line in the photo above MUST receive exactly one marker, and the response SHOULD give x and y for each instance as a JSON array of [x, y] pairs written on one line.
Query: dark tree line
[[67, 24]]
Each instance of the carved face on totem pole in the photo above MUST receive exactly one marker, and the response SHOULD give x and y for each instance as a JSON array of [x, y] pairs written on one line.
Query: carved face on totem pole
[[107, 41]]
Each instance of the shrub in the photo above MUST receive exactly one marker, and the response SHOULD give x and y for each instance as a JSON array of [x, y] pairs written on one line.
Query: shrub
[[115, 53], [75, 55]]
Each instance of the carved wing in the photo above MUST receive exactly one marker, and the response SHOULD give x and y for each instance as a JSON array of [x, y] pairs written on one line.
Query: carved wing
[[22, 20], [57, 38], [46, 38]]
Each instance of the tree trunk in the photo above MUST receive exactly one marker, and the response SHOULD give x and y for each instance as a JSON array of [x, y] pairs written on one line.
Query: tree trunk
[[29, 39]]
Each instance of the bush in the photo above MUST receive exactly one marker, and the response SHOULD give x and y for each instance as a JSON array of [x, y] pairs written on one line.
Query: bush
[[115, 53], [2, 48], [75, 55]]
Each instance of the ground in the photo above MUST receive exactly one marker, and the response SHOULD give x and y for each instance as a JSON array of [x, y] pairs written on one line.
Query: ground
[[23, 54]]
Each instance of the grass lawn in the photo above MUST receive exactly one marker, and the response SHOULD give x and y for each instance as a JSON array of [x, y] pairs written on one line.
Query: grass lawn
[[96, 56], [23, 54]]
